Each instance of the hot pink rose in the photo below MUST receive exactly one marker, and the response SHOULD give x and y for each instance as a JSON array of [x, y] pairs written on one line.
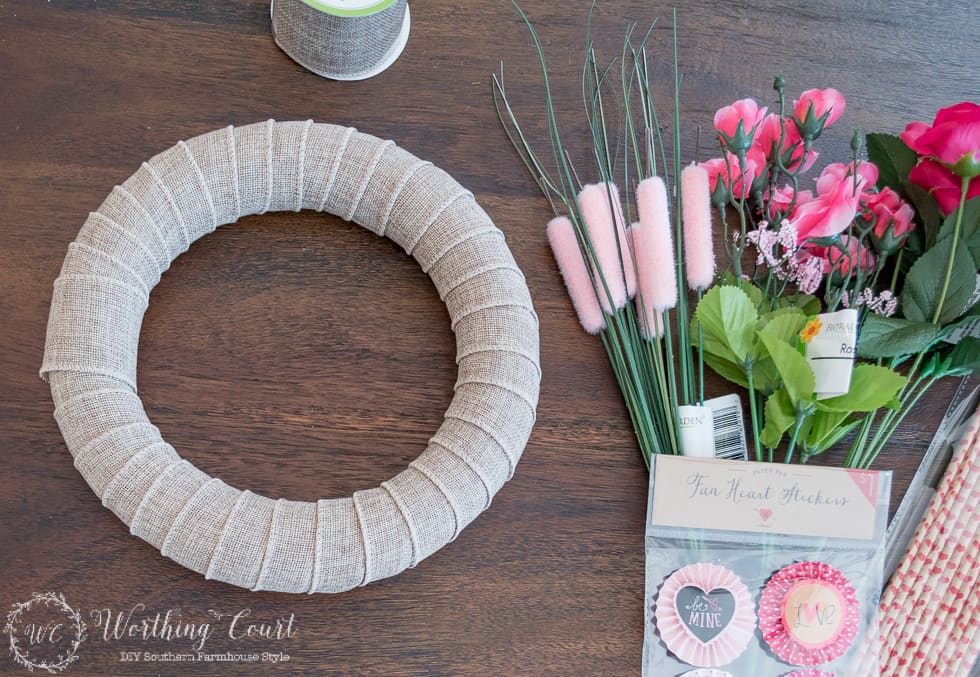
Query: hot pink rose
[[745, 113], [813, 105], [943, 184], [949, 151], [954, 134]]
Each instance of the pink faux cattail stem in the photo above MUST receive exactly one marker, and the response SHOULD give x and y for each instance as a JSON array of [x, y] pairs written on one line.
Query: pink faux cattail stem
[[601, 211], [625, 247], [564, 244], [653, 245], [651, 321], [699, 253]]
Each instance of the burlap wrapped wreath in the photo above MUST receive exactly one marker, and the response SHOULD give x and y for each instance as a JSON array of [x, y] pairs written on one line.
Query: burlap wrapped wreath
[[238, 536]]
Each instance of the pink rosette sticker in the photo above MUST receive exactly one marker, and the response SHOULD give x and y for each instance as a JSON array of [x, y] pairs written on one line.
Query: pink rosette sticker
[[809, 615], [704, 615], [810, 673]]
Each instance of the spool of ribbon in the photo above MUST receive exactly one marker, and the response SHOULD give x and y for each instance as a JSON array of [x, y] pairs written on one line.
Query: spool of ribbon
[[341, 39]]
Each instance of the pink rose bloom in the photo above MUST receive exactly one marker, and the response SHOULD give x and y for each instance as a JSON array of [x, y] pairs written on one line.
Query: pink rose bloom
[[755, 165], [827, 102], [954, 134], [781, 199], [833, 174], [791, 152], [744, 111], [837, 202], [890, 210], [842, 258], [950, 149]]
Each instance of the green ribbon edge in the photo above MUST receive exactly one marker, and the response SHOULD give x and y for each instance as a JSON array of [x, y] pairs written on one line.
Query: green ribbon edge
[[364, 11]]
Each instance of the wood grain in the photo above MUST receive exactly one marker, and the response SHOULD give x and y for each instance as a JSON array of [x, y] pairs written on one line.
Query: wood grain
[[300, 356]]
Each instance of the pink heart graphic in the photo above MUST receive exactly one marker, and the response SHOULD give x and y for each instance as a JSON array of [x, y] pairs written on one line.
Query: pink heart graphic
[[765, 514]]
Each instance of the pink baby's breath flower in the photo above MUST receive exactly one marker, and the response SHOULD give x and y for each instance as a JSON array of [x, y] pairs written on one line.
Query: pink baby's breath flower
[[787, 236], [764, 240], [809, 273]]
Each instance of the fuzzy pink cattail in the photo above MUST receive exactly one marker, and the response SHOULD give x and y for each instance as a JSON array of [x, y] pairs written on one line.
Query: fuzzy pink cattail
[[564, 244], [625, 248], [699, 253], [654, 328], [607, 233], [653, 244]]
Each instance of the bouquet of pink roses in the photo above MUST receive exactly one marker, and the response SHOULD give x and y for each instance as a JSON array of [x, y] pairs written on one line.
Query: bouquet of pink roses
[[892, 243], [840, 301]]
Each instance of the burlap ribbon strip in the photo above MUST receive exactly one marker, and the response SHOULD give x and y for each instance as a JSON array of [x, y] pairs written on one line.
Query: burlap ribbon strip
[[238, 536]]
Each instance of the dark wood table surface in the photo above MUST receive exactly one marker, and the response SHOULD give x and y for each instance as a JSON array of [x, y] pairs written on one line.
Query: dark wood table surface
[[300, 356]]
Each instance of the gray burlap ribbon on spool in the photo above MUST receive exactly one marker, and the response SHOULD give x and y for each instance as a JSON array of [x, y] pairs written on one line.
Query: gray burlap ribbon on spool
[[238, 536], [340, 47]]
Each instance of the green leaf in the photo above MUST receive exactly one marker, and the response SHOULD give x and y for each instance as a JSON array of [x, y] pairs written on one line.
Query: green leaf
[[923, 286], [726, 369], [965, 357], [729, 317], [969, 228], [929, 215], [783, 324], [765, 378], [797, 375], [710, 345], [894, 336], [754, 293], [872, 387], [828, 429], [780, 415], [823, 423], [894, 159], [810, 305]]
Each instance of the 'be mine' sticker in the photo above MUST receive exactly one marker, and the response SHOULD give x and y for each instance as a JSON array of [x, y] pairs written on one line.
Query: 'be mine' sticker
[[704, 615]]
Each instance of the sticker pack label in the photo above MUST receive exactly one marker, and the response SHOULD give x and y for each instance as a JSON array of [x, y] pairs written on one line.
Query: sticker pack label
[[702, 493]]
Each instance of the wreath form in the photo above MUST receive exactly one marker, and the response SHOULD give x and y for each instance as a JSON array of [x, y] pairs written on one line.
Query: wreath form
[[240, 537]]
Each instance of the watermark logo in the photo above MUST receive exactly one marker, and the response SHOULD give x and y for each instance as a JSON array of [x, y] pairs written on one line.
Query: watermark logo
[[45, 632]]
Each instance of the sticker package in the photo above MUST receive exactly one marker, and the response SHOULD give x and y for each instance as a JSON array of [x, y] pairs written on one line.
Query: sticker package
[[761, 569]]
